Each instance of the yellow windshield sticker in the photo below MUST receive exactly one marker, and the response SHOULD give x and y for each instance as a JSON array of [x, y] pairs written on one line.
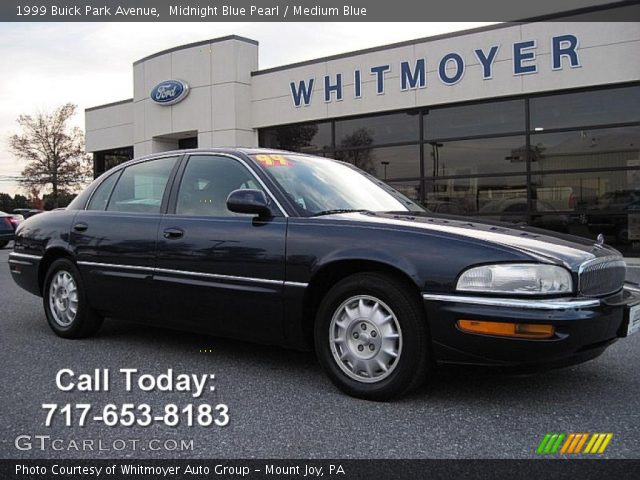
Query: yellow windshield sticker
[[273, 160]]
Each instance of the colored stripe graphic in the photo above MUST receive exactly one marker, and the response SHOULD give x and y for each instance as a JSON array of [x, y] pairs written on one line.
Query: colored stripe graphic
[[567, 444], [598, 443], [583, 439], [605, 444], [550, 443], [556, 445], [573, 443], [543, 444]]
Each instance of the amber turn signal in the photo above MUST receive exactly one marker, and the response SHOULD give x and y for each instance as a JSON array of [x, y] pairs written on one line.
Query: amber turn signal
[[503, 329]]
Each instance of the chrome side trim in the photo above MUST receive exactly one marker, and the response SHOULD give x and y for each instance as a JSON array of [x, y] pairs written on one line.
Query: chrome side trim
[[631, 287], [193, 274], [113, 265], [218, 276], [25, 256], [550, 304], [13, 261]]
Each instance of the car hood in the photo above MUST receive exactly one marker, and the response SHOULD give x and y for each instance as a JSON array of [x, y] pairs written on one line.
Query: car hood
[[543, 245]]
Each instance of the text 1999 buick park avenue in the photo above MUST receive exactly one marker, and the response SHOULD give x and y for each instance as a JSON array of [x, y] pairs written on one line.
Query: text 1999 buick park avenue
[[301, 251]]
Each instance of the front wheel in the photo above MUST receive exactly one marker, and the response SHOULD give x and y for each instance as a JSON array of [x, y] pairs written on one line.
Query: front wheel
[[371, 337], [65, 303]]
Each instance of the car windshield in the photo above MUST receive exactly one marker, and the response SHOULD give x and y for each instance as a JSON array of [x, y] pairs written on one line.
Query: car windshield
[[320, 186]]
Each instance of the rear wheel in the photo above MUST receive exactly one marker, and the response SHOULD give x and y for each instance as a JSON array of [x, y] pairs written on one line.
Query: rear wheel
[[65, 304], [371, 337]]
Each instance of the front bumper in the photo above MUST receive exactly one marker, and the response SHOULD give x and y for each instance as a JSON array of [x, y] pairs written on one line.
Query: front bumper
[[584, 328]]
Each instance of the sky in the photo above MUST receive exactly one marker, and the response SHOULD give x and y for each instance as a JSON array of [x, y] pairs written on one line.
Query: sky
[[45, 65]]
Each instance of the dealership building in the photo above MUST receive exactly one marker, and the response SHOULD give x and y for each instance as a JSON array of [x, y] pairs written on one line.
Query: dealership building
[[535, 122]]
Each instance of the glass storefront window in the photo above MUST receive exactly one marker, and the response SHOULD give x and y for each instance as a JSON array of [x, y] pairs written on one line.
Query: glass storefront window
[[582, 149], [603, 191], [378, 130], [595, 202], [495, 196], [471, 157], [107, 159], [409, 188], [385, 162], [584, 179], [596, 107], [298, 138], [471, 120]]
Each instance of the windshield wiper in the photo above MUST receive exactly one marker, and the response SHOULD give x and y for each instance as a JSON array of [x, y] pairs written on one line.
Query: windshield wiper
[[341, 210]]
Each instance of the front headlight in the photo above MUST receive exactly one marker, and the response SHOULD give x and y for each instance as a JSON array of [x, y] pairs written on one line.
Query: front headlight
[[517, 278]]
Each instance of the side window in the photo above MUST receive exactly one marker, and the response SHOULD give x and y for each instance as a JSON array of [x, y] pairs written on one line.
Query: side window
[[141, 186], [207, 182], [101, 195]]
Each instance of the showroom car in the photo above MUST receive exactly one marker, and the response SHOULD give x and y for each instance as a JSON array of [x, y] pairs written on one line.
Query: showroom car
[[310, 253]]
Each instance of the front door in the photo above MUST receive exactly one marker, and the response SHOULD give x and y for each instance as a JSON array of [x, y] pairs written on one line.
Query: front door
[[218, 271]]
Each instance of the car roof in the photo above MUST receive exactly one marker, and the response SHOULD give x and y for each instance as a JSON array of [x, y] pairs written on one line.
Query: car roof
[[228, 150]]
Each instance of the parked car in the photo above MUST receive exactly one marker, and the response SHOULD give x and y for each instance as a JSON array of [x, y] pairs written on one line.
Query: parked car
[[7, 229], [610, 215], [515, 210], [446, 207], [15, 218], [27, 212], [307, 252]]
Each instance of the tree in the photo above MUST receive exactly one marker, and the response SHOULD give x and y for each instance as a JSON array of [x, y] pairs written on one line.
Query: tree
[[34, 200], [7, 203], [64, 199], [361, 156], [21, 201], [54, 152], [296, 137]]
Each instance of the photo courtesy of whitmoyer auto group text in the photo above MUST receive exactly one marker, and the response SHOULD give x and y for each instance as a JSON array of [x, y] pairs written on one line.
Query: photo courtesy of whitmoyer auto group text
[[350, 239]]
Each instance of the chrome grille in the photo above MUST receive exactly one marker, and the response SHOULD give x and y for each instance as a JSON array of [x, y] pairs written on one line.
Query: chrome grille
[[601, 276]]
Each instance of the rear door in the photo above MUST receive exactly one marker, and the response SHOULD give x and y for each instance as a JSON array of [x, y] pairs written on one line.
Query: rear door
[[115, 238], [219, 271]]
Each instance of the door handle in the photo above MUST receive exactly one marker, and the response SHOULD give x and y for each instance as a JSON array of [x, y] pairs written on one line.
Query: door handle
[[80, 227], [173, 233]]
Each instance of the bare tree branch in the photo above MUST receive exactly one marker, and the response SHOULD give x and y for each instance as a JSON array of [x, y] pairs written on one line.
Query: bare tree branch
[[54, 151]]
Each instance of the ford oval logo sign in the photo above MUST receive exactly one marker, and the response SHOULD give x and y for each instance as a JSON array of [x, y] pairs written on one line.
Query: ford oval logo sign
[[169, 92]]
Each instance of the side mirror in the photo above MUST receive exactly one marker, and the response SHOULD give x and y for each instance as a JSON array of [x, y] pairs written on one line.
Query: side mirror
[[249, 201]]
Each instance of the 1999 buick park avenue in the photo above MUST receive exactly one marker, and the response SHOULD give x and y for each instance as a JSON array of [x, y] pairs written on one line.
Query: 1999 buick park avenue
[[306, 252]]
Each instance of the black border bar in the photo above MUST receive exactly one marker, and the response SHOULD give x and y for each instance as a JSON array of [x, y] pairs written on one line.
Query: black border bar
[[560, 467], [319, 11]]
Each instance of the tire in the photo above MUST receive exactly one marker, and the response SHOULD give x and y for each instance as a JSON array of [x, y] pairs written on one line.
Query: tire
[[62, 294], [362, 322], [3, 244]]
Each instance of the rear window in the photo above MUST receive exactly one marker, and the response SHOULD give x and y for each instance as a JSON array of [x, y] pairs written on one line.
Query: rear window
[[141, 187]]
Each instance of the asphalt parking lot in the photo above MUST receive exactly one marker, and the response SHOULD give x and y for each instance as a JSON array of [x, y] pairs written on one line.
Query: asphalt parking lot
[[282, 406]]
